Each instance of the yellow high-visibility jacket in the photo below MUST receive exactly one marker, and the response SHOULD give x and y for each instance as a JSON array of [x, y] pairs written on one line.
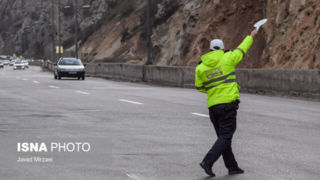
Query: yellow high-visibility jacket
[[216, 74]]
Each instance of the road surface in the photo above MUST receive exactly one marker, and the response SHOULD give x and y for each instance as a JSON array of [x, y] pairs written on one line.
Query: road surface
[[145, 132]]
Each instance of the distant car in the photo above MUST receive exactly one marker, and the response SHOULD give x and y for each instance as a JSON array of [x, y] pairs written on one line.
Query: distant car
[[11, 63], [18, 65], [5, 62], [1, 64], [69, 67], [26, 64]]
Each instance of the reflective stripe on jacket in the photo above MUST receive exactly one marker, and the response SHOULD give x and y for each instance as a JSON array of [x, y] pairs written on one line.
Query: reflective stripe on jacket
[[216, 74]]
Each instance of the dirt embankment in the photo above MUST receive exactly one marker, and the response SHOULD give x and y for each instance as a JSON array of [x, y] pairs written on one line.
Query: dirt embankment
[[292, 34], [182, 31], [115, 31]]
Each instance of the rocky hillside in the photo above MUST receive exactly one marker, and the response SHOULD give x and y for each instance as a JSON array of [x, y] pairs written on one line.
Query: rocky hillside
[[293, 34], [30, 27], [181, 32], [115, 31]]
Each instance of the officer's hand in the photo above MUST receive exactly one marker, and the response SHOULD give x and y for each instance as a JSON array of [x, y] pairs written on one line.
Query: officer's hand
[[254, 33]]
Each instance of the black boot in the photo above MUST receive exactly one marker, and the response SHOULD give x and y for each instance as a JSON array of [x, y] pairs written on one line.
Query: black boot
[[236, 171], [207, 169]]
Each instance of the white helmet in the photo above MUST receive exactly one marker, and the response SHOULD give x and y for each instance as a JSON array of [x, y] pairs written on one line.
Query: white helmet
[[216, 44]]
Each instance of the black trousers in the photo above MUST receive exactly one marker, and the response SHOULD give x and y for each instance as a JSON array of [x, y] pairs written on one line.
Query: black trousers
[[224, 119]]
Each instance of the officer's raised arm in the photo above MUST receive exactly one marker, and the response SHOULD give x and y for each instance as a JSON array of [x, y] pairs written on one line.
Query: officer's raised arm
[[243, 48]]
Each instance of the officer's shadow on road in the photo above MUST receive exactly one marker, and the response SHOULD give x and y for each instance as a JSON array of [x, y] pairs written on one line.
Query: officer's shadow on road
[[226, 177]]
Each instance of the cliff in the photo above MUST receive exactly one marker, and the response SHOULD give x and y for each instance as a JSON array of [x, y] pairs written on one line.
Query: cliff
[[114, 31]]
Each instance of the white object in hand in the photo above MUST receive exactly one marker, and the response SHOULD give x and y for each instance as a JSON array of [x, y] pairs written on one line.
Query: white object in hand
[[260, 23]]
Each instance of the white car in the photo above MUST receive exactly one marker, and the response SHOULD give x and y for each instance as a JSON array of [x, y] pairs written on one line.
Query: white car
[[5, 62], [69, 67], [11, 63], [18, 65], [26, 64]]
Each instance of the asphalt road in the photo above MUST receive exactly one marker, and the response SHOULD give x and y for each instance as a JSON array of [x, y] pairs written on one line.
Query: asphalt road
[[145, 132]]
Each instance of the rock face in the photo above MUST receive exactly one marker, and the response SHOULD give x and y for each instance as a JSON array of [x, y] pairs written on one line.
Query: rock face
[[197, 22], [22, 27], [181, 32], [30, 27], [115, 31], [292, 34]]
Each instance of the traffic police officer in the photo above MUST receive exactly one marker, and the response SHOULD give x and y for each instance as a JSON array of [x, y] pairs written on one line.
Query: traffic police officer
[[215, 76]]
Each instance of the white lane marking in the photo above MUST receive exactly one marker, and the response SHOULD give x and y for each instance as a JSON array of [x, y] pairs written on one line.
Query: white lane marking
[[36, 82], [24, 79], [133, 176], [132, 102], [82, 92], [199, 114], [54, 87]]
